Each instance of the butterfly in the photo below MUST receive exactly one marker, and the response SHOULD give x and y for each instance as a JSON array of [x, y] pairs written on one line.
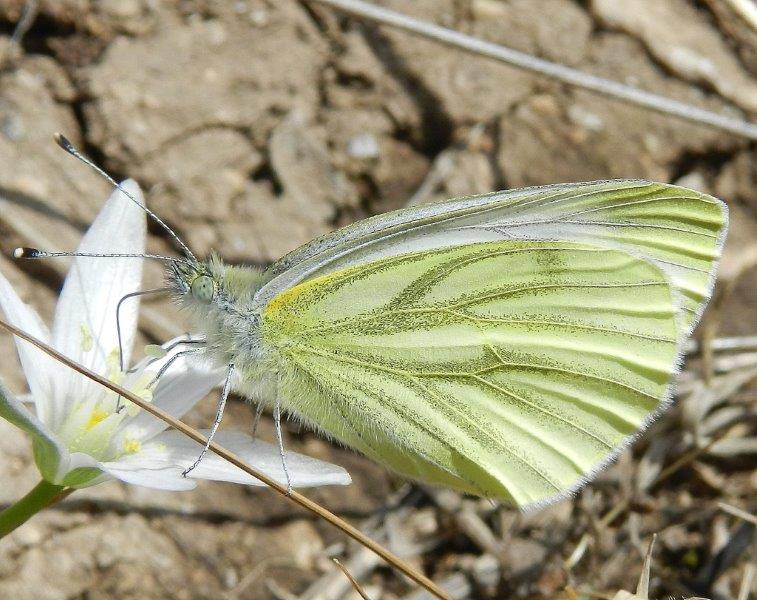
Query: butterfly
[[507, 345]]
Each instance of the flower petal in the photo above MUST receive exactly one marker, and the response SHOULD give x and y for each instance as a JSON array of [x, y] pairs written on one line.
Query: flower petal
[[187, 381], [40, 369], [80, 470], [153, 467], [49, 453], [304, 470], [85, 317]]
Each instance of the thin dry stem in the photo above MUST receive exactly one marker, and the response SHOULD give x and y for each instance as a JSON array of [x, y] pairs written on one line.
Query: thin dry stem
[[522, 60], [354, 583], [195, 435]]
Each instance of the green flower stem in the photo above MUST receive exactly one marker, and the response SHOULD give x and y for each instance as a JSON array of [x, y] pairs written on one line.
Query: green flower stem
[[43, 495]]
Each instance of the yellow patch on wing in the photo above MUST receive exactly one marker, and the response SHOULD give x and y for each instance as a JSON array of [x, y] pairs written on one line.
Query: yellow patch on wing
[[285, 300]]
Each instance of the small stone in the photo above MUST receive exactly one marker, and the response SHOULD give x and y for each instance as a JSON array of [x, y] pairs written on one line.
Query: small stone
[[12, 127], [694, 181], [216, 33], [123, 9], [259, 17], [585, 118], [230, 578], [521, 555], [28, 535], [488, 9], [486, 571], [363, 146]]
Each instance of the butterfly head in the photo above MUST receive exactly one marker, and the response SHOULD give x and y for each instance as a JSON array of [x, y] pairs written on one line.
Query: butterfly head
[[195, 282], [212, 288]]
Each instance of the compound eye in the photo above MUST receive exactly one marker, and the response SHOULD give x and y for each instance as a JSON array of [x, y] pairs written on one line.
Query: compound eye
[[203, 289]]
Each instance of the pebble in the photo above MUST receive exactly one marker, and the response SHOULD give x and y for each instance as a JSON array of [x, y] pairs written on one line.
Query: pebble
[[364, 146]]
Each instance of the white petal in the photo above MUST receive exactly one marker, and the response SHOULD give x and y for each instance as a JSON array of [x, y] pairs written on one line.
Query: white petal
[[86, 312], [304, 470], [40, 369], [152, 467], [187, 381], [79, 471], [167, 478], [49, 453]]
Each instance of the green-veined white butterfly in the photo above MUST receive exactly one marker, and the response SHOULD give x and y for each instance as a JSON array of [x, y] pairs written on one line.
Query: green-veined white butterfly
[[507, 345]]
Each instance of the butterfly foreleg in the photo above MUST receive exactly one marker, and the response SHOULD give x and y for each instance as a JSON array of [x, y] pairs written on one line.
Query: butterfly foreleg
[[169, 362], [189, 341], [136, 294], [216, 422]]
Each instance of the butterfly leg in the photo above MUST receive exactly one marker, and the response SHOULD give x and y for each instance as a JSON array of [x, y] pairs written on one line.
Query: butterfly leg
[[217, 421], [169, 362], [280, 439], [256, 421], [161, 372], [190, 341]]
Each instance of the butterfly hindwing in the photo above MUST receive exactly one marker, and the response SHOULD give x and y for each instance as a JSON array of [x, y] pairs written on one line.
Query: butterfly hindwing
[[511, 369]]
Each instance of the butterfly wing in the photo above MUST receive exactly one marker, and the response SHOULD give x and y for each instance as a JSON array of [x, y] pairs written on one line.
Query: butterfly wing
[[679, 230], [511, 369]]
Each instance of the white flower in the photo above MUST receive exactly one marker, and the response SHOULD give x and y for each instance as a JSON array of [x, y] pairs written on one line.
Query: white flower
[[79, 439]]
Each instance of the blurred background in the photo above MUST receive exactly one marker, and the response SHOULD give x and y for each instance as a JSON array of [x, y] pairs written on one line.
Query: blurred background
[[255, 125]]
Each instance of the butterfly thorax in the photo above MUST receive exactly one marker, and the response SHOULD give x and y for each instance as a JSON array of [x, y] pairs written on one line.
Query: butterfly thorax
[[219, 298]]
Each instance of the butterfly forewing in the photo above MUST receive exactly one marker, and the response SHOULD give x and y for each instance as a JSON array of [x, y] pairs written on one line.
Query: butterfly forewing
[[509, 369], [678, 229]]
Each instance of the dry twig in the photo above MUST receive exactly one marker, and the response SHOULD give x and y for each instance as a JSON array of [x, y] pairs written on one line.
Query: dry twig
[[195, 435], [352, 580], [600, 85]]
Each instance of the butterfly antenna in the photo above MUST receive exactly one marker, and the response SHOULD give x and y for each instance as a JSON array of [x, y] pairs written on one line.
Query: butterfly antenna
[[64, 143], [32, 253]]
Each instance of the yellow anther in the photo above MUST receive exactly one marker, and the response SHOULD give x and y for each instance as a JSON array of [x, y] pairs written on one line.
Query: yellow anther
[[87, 342], [131, 446], [96, 417]]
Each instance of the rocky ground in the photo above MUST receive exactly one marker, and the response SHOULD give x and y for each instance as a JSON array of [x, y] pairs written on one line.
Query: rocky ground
[[254, 126]]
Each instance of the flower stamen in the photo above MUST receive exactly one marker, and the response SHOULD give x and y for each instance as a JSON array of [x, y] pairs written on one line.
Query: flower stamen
[[98, 415], [87, 341], [132, 446]]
